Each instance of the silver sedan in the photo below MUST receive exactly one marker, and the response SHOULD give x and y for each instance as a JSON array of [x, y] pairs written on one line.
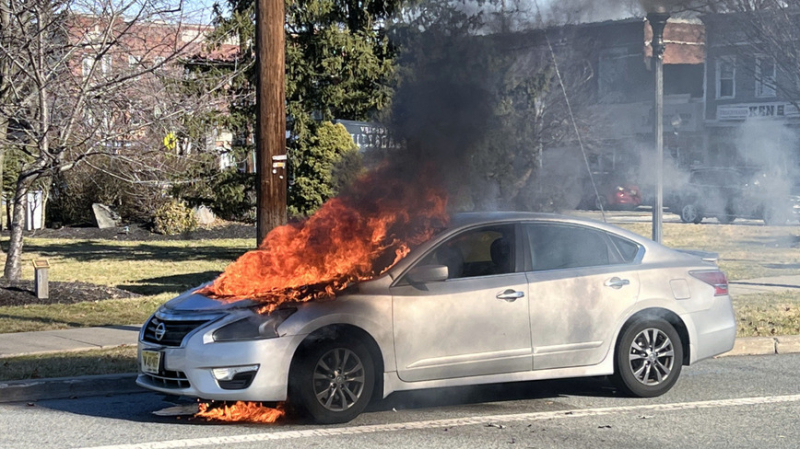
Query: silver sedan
[[496, 297]]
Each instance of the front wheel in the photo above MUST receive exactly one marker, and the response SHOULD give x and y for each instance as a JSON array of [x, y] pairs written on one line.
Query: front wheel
[[691, 214], [333, 381], [648, 358]]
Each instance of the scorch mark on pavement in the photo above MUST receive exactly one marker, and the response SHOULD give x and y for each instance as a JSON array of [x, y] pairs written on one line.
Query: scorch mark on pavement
[[432, 424]]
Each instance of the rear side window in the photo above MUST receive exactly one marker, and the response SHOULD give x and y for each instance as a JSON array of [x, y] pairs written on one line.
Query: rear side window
[[555, 247], [627, 249]]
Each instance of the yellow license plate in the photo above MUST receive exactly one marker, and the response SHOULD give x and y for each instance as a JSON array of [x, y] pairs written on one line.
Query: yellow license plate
[[151, 361]]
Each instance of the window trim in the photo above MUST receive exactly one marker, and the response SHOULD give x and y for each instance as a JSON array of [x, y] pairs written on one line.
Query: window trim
[[717, 73]]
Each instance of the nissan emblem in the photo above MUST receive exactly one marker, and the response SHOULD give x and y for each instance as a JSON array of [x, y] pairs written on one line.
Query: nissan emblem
[[161, 330]]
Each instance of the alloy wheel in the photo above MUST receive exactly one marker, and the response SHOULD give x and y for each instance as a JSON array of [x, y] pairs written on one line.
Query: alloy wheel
[[652, 357], [339, 379]]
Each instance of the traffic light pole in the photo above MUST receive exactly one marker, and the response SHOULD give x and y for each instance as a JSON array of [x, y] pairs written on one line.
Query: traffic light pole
[[270, 117]]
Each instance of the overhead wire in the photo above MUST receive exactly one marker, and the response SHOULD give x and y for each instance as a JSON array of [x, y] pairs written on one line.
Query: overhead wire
[[572, 117]]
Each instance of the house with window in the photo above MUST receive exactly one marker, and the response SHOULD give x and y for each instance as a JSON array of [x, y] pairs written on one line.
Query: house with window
[[751, 114], [616, 104]]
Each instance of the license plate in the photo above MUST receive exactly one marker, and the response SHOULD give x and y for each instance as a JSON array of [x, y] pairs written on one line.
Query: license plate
[[151, 361]]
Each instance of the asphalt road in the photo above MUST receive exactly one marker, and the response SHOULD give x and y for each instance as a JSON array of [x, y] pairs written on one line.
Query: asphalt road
[[732, 402]]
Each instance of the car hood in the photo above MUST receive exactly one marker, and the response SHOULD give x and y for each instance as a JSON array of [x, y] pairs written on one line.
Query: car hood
[[191, 301]]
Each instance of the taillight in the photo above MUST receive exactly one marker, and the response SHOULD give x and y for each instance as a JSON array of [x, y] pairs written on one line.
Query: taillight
[[716, 279]]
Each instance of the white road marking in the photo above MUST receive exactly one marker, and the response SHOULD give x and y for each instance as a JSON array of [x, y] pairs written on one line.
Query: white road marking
[[455, 422]]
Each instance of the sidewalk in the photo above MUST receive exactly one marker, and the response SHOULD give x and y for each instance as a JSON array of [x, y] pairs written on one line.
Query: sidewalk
[[79, 339]]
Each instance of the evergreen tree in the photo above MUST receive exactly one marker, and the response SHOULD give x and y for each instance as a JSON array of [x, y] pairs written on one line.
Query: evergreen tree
[[339, 63]]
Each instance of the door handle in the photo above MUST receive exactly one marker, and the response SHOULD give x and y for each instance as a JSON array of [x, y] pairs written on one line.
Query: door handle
[[616, 283], [510, 295]]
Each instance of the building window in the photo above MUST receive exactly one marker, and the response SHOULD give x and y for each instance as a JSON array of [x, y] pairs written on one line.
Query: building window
[[765, 76], [158, 62], [86, 66], [133, 62], [726, 77], [105, 65], [614, 66]]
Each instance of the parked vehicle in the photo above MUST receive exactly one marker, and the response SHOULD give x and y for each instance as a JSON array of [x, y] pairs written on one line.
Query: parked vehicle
[[496, 297], [614, 193], [731, 193]]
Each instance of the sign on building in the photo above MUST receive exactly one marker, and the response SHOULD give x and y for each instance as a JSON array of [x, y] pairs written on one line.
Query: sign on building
[[368, 136]]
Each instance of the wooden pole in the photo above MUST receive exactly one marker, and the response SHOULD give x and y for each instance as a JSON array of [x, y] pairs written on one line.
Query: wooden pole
[[270, 116]]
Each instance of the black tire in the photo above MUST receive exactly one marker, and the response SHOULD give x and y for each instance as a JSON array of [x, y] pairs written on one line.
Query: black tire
[[726, 219], [341, 368], [690, 213], [643, 368]]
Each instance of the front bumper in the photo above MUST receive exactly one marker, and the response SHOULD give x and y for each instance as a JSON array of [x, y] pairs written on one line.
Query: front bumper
[[187, 370]]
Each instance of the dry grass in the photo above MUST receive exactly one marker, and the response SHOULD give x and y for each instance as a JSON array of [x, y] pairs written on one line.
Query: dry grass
[[70, 364], [87, 314], [745, 251], [768, 314], [159, 270]]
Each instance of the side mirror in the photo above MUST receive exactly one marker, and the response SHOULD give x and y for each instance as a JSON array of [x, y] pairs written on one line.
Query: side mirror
[[427, 273]]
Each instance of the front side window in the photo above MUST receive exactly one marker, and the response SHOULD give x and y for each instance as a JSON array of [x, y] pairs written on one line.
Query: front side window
[[479, 252], [555, 247], [765, 76], [726, 77]]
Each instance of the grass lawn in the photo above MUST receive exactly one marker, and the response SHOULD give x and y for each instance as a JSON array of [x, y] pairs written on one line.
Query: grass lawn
[[768, 314], [745, 251], [69, 364], [158, 270]]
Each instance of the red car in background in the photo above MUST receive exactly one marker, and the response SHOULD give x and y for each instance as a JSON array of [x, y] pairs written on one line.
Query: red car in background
[[612, 193]]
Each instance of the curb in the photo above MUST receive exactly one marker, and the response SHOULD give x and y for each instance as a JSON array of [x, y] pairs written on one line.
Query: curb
[[764, 346], [68, 387], [84, 386]]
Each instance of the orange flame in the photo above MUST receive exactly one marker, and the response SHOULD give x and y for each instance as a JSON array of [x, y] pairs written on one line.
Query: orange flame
[[251, 412], [351, 238]]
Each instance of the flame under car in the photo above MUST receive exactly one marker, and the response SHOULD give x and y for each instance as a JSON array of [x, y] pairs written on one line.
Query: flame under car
[[496, 297]]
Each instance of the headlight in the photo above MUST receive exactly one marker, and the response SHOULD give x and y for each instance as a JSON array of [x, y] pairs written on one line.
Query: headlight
[[256, 327]]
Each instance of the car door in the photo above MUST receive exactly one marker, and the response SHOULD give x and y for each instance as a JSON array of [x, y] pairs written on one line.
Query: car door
[[581, 282], [473, 323]]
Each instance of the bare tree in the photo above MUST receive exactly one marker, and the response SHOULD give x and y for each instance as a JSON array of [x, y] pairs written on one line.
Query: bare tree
[[91, 80]]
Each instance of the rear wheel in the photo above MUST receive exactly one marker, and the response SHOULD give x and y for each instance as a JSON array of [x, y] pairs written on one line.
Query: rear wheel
[[648, 358], [333, 381], [690, 213], [726, 219]]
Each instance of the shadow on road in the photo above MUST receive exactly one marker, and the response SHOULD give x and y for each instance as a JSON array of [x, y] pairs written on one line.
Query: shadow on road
[[139, 407]]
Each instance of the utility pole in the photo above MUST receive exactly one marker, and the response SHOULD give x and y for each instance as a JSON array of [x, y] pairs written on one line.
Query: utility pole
[[658, 21], [270, 117]]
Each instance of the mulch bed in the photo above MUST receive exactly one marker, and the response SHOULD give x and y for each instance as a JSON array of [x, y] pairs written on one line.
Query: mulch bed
[[22, 293]]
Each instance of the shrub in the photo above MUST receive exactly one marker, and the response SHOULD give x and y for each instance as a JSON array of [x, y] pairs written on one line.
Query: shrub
[[321, 168], [229, 193], [173, 217]]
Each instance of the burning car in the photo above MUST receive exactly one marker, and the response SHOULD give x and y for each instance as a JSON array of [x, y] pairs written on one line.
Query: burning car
[[494, 297]]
